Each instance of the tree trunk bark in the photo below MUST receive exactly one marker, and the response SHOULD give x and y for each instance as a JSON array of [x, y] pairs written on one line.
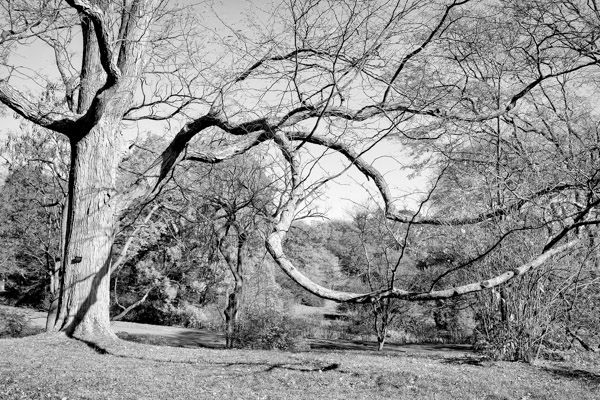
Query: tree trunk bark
[[503, 305], [55, 276], [235, 297], [83, 309], [236, 266], [381, 329], [231, 316]]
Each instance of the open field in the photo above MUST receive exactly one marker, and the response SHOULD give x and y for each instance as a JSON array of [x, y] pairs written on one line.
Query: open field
[[55, 367]]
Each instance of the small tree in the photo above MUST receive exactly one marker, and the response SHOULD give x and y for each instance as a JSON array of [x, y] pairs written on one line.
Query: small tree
[[384, 262], [31, 202], [243, 199]]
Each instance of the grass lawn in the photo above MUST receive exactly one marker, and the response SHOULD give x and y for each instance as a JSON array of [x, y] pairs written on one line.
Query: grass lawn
[[54, 367]]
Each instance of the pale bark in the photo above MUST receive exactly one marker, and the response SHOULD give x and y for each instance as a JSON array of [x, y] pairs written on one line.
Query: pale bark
[[380, 342], [122, 256], [84, 305], [127, 310], [274, 247]]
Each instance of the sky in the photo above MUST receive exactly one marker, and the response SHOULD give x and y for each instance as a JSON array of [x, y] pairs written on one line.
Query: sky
[[340, 199], [7, 124]]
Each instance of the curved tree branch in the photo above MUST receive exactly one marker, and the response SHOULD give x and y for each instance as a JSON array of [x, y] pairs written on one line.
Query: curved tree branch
[[274, 247], [60, 121]]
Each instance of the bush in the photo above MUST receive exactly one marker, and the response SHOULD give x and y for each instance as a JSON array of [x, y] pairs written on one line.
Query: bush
[[189, 316], [15, 324], [271, 330], [508, 343]]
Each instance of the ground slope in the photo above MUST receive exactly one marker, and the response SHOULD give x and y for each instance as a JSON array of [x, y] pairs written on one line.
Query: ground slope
[[55, 367]]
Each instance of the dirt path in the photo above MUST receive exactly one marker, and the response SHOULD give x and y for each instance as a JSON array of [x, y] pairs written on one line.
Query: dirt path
[[184, 337]]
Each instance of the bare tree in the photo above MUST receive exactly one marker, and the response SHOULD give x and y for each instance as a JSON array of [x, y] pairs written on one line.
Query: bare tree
[[241, 196], [385, 264]]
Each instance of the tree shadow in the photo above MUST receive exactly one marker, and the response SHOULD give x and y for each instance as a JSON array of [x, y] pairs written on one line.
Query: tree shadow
[[204, 339], [468, 360], [339, 344], [587, 377], [94, 346], [269, 367], [92, 297], [292, 367]]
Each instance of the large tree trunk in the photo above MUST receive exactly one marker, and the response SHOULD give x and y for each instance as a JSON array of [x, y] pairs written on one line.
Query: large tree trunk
[[83, 309]]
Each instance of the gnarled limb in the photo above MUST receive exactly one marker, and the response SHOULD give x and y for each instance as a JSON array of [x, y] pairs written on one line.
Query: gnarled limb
[[155, 176], [101, 26], [60, 121], [274, 242]]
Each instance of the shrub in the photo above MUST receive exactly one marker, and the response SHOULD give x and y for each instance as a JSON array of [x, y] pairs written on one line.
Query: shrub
[[15, 324], [271, 330], [509, 343], [188, 316]]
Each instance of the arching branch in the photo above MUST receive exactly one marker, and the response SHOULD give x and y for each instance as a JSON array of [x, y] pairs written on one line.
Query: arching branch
[[275, 248], [60, 121]]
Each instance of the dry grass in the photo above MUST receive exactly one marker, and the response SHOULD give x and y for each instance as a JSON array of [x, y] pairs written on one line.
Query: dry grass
[[54, 367]]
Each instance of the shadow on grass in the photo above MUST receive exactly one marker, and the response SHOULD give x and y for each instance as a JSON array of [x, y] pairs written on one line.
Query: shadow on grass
[[94, 346], [456, 351], [192, 339], [339, 344], [587, 377], [212, 340], [467, 360], [204, 339], [325, 368], [269, 367]]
